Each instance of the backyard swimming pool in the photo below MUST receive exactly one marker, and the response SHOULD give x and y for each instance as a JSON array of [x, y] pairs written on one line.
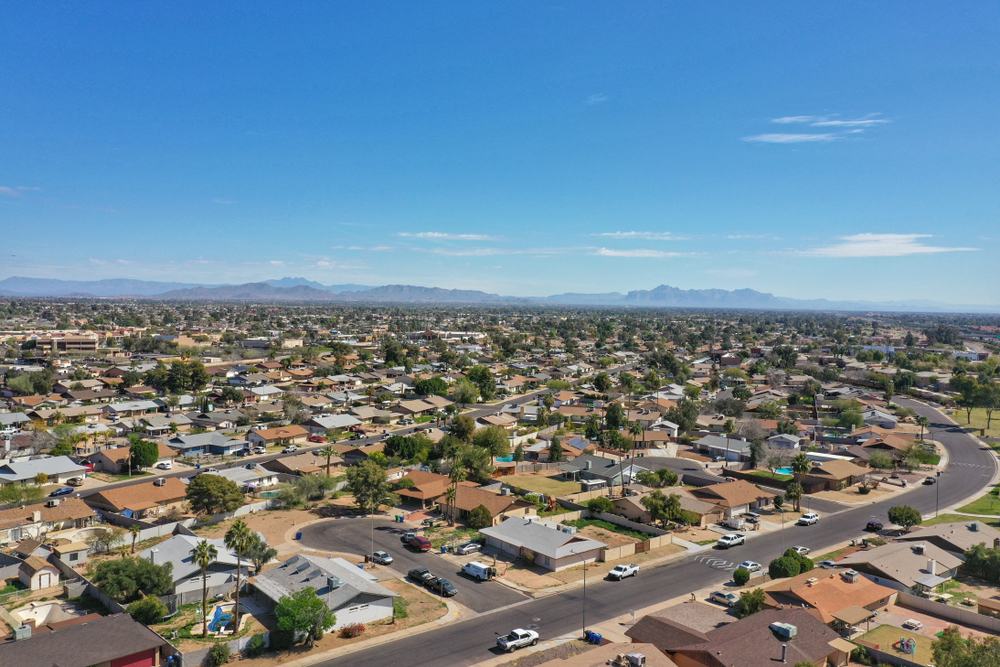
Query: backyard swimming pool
[[784, 471]]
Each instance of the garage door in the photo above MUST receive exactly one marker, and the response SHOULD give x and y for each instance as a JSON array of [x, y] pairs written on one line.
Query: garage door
[[143, 659]]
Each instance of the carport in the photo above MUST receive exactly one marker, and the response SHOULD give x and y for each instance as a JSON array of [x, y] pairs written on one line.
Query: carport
[[852, 616]]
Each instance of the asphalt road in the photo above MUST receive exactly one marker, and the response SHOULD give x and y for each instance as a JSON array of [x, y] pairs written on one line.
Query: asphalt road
[[971, 468], [355, 536]]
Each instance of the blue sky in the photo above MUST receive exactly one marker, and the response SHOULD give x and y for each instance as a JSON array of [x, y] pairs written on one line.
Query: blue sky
[[847, 150]]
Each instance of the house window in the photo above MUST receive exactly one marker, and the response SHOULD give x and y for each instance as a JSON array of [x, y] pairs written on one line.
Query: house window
[[73, 557]]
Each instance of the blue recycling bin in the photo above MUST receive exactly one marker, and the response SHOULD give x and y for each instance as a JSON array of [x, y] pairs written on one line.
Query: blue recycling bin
[[444, 549], [298, 535], [597, 638]]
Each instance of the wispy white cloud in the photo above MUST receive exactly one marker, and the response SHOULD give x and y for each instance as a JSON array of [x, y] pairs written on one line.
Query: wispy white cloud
[[597, 98], [880, 245], [94, 260], [10, 192], [224, 201], [276, 262], [798, 119], [638, 253], [861, 122], [442, 236], [789, 138], [649, 236], [383, 248]]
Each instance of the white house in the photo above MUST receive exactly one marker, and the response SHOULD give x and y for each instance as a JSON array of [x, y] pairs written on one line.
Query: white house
[[556, 547], [879, 418], [784, 441]]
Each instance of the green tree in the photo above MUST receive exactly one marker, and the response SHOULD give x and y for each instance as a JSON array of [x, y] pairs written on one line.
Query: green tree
[[259, 552], [213, 494], [466, 392], [519, 453], [794, 493], [122, 579], [785, 566], [924, 423], [750, 602], [15, 495], [484, 380], [134, 530], [148, 610], [880, 460], [463, 427], [238, 538], [742, 394], [951, 650], [615, 418], [431, 387], [143, 454], [850, 418], [602, 382], [328, 453], [304, 612], [555, 450], [905, 516], [741, 577], [368, 482], [600, 504], [592, 427], [494, 440], [479, 518], [801, 465]]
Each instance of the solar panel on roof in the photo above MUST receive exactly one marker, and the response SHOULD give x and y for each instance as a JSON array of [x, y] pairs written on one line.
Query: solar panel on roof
[[302, 566]]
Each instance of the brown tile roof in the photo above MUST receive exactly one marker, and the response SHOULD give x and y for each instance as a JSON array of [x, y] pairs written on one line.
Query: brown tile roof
[[93, 642], [33, 564], [469, 498], [828, 594], [837, 469], [142, 496], [731, 494], [282, 432], [71, 508], [663, 632], [426, 485]]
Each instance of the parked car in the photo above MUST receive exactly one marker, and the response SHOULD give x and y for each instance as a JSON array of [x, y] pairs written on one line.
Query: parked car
[[442, 587], [75, 481], [260, 450], [751, 517], [621, 571], [382, 558], [930, 480], [419, 543], [518, 638], [827, 565], [406, 537], [317, 437], [480, 571], [802, 551], [243, 452], [420, 574], [64, 491], [873, 526], [165, 465], [808, 519], [468, 548], [749, 566], [728, 599], [290, 449], [731, 540]]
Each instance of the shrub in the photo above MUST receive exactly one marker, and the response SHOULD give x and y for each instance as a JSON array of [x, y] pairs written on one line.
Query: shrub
[[256, 647], [750, 602], [864, 490], [219, 654], [148, 611], [600, 504], [783, 567], [741, 576], [352, 630]]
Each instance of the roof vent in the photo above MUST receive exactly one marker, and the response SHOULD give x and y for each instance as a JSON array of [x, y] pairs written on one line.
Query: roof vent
[[918, 548], [333, 583]]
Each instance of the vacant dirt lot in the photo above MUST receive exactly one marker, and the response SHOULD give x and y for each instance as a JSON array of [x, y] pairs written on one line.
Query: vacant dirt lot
[[612, 539], [272, 524]]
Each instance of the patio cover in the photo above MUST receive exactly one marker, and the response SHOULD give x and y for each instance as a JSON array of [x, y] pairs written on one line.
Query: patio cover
[[842, 645], [930, 580], [853, 615]]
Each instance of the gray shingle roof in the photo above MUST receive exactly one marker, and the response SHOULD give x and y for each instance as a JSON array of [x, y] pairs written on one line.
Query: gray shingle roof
[[542, 537], [302, 571], [90, 643]]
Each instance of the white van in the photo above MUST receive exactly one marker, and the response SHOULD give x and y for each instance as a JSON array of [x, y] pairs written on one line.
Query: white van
[[478, 570]]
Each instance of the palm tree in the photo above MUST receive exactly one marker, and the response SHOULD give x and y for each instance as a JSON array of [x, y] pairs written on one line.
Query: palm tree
[[328, 452], [636, 430], [204, 554], [449, 499], [370, 392], [801, 465], [135, 530], [457, 474], [728, 428], [238, 538], [923, 422]]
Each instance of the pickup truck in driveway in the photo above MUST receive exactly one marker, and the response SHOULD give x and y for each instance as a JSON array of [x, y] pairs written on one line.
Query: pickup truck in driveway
[[518, 638], [621, 571]]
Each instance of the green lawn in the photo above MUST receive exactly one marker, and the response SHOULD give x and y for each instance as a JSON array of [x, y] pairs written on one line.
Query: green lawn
[[550, 486], [766, 476], [884, 636], [958, 518], [988, 504], [979, 421]]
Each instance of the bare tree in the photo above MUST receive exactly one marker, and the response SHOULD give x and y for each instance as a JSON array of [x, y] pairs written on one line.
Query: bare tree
[[774, 458]]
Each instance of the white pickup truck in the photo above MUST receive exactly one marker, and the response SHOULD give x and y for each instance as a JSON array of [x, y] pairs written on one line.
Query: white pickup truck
[[518, 638], [621, 571]]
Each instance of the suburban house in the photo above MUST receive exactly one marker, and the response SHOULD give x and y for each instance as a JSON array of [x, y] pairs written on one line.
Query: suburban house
[[631, 507], [748, 642], [954, 537], [831, 474], [36, 573], [323, 423], [375, 416], [23, 470], [197, 444], [906, 566], [592, 471], [40, 520], [307, 463], [611, 654], [73, 554], [734, 498], [351, 593], [111, 460], [282, 436], [142, 500], [358, 454], [556, 547], [157, 425], [427, 486], [216, 420], [725, 448], [187, 573], [830, 595], [250, 478], [130, 409], [499, 505], [785, 441], [116, 640], [879, 418], [414, 408]]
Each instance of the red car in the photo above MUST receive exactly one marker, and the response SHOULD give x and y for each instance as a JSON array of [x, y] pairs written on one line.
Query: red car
[[317, 438]]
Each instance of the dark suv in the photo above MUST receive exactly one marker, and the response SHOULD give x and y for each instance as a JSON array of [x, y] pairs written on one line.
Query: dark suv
[[874, 526], [442, 587], [421, 574]]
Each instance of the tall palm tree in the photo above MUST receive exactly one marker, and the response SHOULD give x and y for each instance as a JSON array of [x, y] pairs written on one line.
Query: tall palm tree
[[457, 475], [923, 422], [636, 430], [204, 554], [238, 538], [801, 465], [449, 498], [328, 452], [135, 530], [370, 392]]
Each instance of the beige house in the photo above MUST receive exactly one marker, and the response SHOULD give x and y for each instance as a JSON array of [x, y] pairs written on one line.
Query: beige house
[[37, 574], [468, 498], [283, 435]]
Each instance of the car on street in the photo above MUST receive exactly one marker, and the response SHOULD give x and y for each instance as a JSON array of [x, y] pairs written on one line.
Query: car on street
[[317, 437], [382, 558], [930, 480], [827, 565], [621, 571], [730, 540], [165, 465], [728, 599], [75, 481], [290, 449], [468, 548], [419, 543], [873, 526], [64, 491], [808, 519], [518, 638], [442, 587], [406, 537], [749, 566], [420, 574], [260, 450], [802, 551]]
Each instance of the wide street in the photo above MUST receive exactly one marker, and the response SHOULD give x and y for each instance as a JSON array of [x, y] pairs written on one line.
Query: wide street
[[971, 468]]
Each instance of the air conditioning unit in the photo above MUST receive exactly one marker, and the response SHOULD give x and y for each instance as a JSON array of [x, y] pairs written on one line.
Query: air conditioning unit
[[22, 632], [918, 548], [160, 481], [851, 576], [784, 630], [333, 583], [52, 503], [636, 659], [974, 526]]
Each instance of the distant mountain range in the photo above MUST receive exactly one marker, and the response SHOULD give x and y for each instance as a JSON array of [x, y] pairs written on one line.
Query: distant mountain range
[[303, 290]]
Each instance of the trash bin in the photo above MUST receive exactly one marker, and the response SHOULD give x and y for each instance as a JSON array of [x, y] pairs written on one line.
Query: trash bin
[[597, 638], [298, 535], [444, 549]]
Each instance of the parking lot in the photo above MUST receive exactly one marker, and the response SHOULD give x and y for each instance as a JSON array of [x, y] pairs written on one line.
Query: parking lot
[[355, 536]]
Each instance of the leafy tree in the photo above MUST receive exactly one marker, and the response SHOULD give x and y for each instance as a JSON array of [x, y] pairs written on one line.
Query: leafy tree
[[369, 484], [741, 577], [466, 391], [494, 440], [801, 464], [431, 387], [479, 518], [122, 579], [463, 427], [880, 460], [952, 651], [232, 395], [661, 507], [784, 566], [592, 427], [905, 516], [600, 504], [742, 394], [213, 494], [519, 453], [805, 563], [768, 410], [219, 654], [750, 602], [304, 612], [730, 407], [484, 380], [259, 552], [850, 418], [602, 382], [15, 495], [774, 458], [148, 610], [143, 454], [555, 450], [615, 418], [685, 415]]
